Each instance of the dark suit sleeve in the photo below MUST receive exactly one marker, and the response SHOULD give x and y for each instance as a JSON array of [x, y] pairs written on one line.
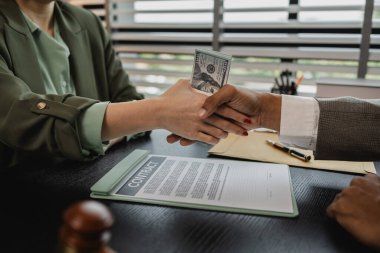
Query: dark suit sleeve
[[348, 129], [33, 125]]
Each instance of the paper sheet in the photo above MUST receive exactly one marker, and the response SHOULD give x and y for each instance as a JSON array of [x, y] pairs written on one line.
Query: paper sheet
[[254, 147], [211, 182]]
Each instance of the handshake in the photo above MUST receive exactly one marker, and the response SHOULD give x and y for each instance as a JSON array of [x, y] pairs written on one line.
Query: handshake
[[229, 110], [191, 113]]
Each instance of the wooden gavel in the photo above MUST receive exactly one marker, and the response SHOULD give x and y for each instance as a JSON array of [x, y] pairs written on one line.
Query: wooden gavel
[[86, 228]]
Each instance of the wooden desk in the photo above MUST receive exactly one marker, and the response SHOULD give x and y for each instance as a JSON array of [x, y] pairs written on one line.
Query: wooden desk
[[34, 198]]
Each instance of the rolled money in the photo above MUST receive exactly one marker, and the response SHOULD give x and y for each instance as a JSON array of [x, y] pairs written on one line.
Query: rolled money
[[210, 70]]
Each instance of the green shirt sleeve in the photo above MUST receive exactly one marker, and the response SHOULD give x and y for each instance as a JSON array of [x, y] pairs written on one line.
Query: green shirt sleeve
[[90, 128]]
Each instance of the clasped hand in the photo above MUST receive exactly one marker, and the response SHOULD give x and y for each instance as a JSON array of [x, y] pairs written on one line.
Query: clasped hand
[[232, 111], [195, 124], [183, 118]]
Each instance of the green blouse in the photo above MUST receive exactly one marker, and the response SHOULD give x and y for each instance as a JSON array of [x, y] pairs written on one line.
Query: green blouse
[[53, 59]]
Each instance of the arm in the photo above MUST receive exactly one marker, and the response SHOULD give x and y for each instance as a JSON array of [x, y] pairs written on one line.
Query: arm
[[175, 110], [33, 125], [348, 129], [38, 124], [356, 208], [114, 86]]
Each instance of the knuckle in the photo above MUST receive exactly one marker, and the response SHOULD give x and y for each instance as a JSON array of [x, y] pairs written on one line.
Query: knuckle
[[225, 125], [231, 89], [348, 191], [339, 205], [208, 102], [223, 110], [351, 191], [358, 181], [221, 134], [210, 139], [372, 177]]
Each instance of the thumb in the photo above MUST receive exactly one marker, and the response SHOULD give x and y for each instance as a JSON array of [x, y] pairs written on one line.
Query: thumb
[[211, 104]]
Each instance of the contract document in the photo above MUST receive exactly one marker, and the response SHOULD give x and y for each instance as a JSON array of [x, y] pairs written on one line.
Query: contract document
[[212, 184]]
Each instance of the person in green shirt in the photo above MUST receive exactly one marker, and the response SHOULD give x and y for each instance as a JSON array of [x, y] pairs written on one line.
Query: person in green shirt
[[64, 92]]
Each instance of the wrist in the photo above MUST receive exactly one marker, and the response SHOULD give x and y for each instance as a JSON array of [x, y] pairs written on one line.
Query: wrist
[[270, 116], [157, 113], [127, 118]]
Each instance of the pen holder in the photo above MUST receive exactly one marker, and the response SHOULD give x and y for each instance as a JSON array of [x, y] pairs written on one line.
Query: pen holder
[[286, 85], [281, 90]]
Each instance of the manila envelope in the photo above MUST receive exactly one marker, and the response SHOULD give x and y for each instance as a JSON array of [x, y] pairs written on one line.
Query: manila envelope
[[255, 147]]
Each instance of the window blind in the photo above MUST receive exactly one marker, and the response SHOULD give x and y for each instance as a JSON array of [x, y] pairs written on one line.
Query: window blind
[[96, 6], [156, 39]]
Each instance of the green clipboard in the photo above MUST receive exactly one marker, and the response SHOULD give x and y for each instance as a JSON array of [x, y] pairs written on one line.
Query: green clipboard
[[106, 188]]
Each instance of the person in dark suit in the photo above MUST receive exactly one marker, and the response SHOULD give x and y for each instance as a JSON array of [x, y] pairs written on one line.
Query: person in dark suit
[[343, 128], [64, 92]]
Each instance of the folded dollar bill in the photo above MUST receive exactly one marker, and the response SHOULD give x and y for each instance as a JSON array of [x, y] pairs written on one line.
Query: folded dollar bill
[[210, 71]]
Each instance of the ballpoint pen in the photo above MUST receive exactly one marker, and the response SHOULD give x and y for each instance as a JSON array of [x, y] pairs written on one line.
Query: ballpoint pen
[[290, 151]]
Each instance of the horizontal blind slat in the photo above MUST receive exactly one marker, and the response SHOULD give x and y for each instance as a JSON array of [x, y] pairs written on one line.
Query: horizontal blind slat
[[281, 43]]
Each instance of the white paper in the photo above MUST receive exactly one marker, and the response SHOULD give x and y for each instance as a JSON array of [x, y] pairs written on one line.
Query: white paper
[[215, 182]]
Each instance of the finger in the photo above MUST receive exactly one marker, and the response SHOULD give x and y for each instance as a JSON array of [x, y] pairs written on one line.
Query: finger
[[373, 178], [224, 95], [186, 142], [365, 183], [206, 138], [213, 131], [330, 211], [227, 126], [339, 195], [172, 138], [332, 208], [228, 112], [336, 208], [358, 181]]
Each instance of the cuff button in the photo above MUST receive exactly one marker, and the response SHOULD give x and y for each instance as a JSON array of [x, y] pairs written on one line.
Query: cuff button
[[41, 105]]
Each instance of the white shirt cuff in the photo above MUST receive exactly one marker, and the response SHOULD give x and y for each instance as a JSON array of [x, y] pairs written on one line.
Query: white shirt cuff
[[299, 121]]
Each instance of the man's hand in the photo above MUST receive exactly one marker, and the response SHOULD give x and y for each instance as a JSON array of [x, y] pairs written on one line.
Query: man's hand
[[263, 109], [357, 209]]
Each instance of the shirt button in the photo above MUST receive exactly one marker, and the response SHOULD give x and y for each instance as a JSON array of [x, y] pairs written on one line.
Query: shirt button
[[41, 105]]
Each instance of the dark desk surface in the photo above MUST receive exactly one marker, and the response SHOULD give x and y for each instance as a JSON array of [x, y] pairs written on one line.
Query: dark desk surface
[[34, 198]]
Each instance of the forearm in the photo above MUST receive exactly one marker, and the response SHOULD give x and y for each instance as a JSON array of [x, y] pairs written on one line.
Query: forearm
[[127, 118], [348, 129]]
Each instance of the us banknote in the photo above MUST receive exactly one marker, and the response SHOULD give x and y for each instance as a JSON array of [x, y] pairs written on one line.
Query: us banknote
[[210, 70]]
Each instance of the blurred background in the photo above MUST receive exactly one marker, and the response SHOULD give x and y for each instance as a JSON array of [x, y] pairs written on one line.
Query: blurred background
[[317, 39]]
